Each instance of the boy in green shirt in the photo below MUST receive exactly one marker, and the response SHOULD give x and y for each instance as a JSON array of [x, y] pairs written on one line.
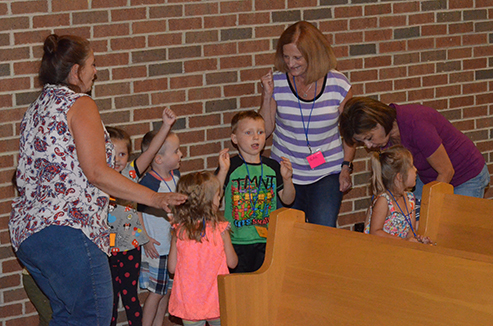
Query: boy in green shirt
[[252, 184]]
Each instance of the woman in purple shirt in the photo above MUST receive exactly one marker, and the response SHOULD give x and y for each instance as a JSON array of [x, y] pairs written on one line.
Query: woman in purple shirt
[[441, 152]]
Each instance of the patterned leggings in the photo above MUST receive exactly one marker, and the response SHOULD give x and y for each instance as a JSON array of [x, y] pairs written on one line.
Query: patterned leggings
[[125, 268]]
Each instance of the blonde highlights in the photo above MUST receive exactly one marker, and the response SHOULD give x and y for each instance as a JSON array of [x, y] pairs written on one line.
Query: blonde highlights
[[386, 165]]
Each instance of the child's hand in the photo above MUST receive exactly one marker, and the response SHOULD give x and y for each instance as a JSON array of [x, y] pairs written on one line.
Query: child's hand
[[421, 239], [286, 168], [169, 117], [224, 161], [425, 240], [150, 248]]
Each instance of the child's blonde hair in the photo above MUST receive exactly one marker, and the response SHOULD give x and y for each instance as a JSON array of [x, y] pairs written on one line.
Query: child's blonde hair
[[385, 166], [199, 209], [149, 136], [250, 114]]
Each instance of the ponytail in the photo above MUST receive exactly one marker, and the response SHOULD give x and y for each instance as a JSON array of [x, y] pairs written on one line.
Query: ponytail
[[61, 53], [386, 165], [377, 185]]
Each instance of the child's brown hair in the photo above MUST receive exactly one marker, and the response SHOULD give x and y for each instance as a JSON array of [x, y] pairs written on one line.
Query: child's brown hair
[[192, 216], [120, 134]]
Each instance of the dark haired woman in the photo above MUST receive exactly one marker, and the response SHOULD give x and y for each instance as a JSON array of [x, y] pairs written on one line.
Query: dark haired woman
[[301, 103], [58, 222], [441, 152]]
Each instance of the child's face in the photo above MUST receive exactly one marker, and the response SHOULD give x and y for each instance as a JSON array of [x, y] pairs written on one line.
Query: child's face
[[121, 150], [172, 155], [250, 138], [410, 182]]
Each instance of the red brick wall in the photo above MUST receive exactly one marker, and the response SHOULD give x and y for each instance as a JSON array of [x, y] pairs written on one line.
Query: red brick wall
[[204, 60]]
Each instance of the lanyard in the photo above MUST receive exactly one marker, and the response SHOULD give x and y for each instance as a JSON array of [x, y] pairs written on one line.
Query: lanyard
[[162, 179], [408, 217], [254, 202], [305, 129]]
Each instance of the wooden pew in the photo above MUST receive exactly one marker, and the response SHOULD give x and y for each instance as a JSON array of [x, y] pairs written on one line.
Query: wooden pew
[[455, 221], [315, 275]]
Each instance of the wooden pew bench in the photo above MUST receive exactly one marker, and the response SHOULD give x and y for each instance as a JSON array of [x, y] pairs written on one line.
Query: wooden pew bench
[[315, 275], [455, 221]]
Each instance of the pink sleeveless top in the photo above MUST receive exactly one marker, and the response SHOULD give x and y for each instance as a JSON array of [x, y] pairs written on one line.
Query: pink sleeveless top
[[195, 295]]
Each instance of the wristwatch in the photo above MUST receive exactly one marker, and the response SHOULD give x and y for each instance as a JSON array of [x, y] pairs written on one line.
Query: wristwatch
[[349, 165]]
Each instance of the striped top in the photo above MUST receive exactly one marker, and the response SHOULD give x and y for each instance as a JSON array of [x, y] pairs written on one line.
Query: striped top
[[289, 138]]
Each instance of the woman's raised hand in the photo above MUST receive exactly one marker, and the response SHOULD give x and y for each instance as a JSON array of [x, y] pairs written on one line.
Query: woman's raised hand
[[267, 83]]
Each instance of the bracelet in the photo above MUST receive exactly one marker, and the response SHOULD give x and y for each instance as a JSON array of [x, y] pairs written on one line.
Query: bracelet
[[348, 164]]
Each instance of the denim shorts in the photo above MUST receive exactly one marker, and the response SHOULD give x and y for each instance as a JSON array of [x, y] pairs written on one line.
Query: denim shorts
[[72, 272], [473, 187]]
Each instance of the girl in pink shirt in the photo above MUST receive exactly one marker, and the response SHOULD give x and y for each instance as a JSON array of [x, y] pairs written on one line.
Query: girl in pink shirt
[[201, 250]]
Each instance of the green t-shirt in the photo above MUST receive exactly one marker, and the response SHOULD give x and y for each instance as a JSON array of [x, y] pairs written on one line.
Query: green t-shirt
[[250, 195]]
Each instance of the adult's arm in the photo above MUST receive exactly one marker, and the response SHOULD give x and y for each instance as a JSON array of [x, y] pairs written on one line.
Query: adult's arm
[[349, 152], [268, 105], [86, 127], [440, 162]]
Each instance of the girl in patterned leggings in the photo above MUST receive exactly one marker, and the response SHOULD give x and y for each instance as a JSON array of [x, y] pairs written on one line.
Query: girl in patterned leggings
[[127, 233]]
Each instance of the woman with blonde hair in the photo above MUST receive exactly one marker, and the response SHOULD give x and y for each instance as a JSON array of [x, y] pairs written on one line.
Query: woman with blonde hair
[[301, 103]]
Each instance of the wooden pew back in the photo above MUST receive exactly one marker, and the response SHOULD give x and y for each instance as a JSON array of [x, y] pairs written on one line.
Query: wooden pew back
[[455, 221], [315, 275]]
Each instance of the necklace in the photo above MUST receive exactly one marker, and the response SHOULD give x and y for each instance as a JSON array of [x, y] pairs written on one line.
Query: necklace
[[305, 92]]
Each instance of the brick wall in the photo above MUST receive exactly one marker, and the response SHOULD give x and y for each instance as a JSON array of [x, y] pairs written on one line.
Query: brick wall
[[204, 60]]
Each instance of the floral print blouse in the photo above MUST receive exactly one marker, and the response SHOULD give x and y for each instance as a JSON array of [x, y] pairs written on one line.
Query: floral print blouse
[[53, 189]]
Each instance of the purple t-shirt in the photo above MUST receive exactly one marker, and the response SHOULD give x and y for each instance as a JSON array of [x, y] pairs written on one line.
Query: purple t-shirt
[[423, 130]]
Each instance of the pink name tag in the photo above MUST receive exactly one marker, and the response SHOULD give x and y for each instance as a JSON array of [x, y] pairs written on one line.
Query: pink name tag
[[315, 159]]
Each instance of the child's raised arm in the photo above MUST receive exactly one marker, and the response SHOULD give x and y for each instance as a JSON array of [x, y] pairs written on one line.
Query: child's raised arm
[[145, 159], [231, 257], [224, 164], [288, 193]]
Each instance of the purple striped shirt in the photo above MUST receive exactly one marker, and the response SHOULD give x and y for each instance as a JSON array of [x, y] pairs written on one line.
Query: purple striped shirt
[[289, 138]]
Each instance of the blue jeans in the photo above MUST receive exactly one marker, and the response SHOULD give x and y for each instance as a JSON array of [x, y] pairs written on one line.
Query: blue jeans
[[320, 201], [73, 273], [474, 187]]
